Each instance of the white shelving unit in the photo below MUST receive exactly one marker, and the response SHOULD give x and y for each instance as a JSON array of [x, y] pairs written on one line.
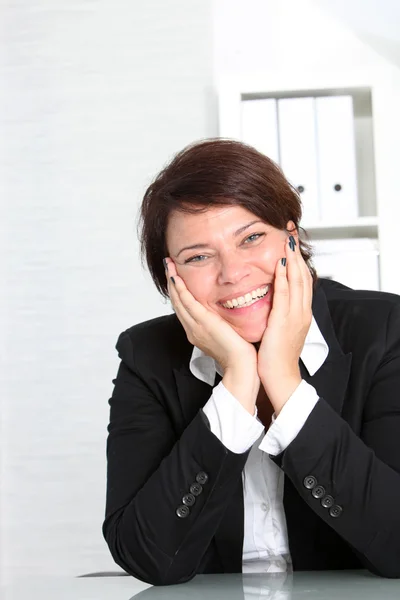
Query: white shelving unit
[[361, 227], [377, 125]]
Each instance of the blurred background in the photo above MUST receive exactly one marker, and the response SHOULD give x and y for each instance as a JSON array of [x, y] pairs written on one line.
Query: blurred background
[[96, 96]]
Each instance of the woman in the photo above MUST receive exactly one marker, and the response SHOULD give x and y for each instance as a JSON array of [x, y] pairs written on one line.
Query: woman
[[256, 429]]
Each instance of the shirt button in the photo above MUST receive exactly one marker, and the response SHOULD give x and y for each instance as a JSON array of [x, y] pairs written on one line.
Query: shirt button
[[264, 506]]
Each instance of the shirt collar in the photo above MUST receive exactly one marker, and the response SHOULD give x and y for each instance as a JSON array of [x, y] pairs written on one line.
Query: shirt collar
[[313, 355]]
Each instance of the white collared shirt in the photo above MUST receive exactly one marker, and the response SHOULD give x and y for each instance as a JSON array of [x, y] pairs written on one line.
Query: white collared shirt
[[265, 544]]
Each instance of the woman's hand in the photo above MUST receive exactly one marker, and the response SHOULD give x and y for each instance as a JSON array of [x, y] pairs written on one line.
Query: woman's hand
[[216, 338], [205, 329], [287, 328]]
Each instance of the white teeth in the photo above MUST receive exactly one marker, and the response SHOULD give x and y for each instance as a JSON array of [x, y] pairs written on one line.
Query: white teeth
[[247, 299]]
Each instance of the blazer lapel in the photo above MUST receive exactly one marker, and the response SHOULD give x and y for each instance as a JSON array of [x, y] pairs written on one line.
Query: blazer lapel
[[192, 393], [332, 377]]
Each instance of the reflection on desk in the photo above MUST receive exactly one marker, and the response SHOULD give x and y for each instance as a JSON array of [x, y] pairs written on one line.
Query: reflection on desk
[[332, 585], [327, 585], [274, 586]]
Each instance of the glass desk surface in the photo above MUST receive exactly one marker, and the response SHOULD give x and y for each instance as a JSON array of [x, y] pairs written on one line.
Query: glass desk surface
[[302, 585]]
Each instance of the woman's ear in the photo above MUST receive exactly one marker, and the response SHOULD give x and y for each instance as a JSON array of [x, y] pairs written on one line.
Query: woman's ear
[[291, 228]]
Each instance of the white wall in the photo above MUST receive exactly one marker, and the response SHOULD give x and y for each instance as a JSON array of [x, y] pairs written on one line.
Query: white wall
[[376, 22], [99, 95], [287, 37]]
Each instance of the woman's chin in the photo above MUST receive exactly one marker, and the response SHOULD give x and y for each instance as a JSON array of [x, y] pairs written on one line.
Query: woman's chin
[[252, 339], [251, 330], [252, 335]]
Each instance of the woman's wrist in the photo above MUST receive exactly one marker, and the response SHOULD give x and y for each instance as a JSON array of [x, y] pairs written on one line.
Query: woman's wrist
[[280, 388], [244, 384]]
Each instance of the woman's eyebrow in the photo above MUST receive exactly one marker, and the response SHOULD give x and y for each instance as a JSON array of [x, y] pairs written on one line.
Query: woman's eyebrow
[[241, 229], [194, 247], [236, 233]]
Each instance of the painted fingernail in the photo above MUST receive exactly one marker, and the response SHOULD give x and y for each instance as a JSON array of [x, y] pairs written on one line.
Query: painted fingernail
[[165, 264], [173, 280], [283, 261], [292, 242]]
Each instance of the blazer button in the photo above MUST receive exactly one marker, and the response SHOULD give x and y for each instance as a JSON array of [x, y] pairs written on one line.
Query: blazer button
[[335, 511], [188, 499], [318, 492], [327, 502], [182, 512], [196, 489], [309, 482], [202, 477]]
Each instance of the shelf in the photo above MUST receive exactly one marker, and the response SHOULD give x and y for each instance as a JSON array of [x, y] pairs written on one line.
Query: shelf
[[361, 227]]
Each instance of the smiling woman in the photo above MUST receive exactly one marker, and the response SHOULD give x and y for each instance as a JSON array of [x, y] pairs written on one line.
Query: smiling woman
[[209, 174], [233, 276], [246, 426]]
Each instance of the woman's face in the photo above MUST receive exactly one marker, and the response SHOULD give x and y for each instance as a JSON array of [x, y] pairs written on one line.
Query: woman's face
[[223, 255]]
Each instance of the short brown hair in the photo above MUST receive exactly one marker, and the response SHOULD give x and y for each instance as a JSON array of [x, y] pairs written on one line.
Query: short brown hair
[[209, 173]]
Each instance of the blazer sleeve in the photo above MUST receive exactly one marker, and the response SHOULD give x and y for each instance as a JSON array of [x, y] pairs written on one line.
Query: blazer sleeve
[[149, 472], [361, 475]]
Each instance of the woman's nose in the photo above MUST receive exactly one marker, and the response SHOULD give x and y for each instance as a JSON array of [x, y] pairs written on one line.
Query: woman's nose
[[232, 269]]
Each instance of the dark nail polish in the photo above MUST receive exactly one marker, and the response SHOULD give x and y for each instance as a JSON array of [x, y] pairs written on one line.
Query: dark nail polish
[[292, 242], [283, 261], [173, 280], [165, 264]]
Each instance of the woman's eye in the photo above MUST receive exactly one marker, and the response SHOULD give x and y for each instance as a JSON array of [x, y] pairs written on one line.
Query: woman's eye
[[253, 237], [195, 258]]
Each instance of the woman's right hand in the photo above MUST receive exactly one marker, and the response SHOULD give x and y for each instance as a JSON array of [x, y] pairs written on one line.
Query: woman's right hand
[[216, 338]]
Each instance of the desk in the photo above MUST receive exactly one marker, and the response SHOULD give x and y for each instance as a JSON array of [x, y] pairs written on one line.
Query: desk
[[332, 585]]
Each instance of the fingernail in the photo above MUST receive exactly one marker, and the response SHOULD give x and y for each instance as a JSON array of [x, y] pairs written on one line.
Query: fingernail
[[283, 261], [292, 242], [173, 280], [165, 264]]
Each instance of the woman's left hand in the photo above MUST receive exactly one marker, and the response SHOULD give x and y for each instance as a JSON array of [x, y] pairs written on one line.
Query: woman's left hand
[[287, 328]]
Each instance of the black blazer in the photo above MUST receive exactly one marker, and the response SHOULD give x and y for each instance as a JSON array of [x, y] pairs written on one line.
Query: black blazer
[[160, 444]]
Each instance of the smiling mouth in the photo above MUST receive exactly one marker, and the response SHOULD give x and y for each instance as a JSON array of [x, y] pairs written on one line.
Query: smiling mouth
[[248, 299]]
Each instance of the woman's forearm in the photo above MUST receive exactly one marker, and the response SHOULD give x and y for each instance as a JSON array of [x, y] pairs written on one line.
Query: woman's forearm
[[162, 533]]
